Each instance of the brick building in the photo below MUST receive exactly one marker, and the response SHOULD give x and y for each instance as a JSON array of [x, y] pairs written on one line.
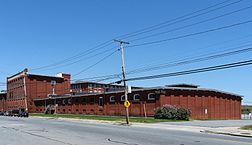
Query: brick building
[[93, 87], [3, 101], [81, 87], [23, 87], [41, 93], [204, 103]]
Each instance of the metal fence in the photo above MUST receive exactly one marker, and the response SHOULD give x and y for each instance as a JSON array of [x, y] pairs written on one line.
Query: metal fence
[[246, 116]]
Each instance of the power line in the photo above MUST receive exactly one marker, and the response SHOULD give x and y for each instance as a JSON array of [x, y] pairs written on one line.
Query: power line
[[109, 42], [95, 63], [209, 56], [192, 60], [193, 24], [86, 52], [177, 19], [192, 34], [192, 71], [82, 59]]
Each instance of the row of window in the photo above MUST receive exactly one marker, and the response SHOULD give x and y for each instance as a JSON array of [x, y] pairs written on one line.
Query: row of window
[[90, 86], [136, 97]]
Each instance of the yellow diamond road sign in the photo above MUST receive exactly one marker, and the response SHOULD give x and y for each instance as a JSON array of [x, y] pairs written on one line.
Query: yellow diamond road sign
[[126, 104]]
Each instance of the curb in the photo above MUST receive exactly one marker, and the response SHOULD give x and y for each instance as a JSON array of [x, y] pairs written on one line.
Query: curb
[[225, 133]]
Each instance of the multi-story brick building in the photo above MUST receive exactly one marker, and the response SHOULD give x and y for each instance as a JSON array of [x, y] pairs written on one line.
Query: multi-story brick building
[[204, 103], [94, 87], [40, 93], [3, 101], [23, 87]]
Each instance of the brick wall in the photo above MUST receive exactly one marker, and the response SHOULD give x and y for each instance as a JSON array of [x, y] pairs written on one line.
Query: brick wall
[[204, 105]]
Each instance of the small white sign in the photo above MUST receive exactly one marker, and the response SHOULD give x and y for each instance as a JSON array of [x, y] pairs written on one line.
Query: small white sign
[[129, 89], [205, 111]]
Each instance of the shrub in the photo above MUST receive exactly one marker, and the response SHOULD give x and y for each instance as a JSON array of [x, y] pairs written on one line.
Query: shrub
[[183, 114], [172, 112]]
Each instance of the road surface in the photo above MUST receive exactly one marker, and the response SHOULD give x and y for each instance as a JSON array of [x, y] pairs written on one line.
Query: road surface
[[37, 131]]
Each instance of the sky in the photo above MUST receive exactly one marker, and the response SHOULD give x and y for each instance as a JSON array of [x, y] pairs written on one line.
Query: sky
[[49, 37]]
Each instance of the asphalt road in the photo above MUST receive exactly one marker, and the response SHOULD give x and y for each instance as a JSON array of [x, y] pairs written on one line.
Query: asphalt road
[[36, 131]]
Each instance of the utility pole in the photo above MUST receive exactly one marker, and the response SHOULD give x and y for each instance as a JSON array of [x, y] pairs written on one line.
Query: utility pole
[[124, 77]]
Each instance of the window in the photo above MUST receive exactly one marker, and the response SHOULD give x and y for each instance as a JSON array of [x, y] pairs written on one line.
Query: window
[[136, 97], [84, 101], [112, 99], [92, 100], [122, 98], [151, 96], [69, 101], [77, 101], [63, 101], [100, 102]]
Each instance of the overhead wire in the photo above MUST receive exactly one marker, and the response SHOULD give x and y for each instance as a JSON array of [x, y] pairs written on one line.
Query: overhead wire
[[109, 42], [86, 52], [91, 66], [192, 34], [193, 24], [191, 60], [191, 71], [177, 19], [205, 57]]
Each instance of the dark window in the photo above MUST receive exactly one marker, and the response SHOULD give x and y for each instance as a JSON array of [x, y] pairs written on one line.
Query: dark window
[[77, 110], [77, 101], [112, 99], [64, 110], [100, 103], [69, 101], [136, 97], [84, 101], [84, 110], [92, 100], [122, 98], [151, 96]]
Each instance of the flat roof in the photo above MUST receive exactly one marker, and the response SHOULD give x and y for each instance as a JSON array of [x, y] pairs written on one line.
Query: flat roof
[[147, 89], [39, 75]]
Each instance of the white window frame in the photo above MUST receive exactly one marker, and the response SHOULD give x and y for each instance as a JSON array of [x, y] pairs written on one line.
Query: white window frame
[[122, 98], [134, 97], [110, 100], [149, 98]]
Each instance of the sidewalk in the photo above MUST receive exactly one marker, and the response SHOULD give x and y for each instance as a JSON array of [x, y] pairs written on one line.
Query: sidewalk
[[234, 131]]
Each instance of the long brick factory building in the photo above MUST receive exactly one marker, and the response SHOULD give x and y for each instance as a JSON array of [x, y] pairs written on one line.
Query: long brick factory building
[[55, 94]]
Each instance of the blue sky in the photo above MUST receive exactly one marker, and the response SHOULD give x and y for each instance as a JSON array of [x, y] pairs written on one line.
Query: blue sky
[[43, 32]]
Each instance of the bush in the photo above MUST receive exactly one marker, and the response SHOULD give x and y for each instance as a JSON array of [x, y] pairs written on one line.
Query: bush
[[183, 114], [172, 112]]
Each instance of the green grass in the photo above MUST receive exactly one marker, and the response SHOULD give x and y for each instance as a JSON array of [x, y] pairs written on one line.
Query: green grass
[[248, 127], [120, 119]]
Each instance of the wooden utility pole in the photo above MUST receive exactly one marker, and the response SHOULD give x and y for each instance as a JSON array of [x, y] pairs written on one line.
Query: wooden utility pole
[[124, 77]]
